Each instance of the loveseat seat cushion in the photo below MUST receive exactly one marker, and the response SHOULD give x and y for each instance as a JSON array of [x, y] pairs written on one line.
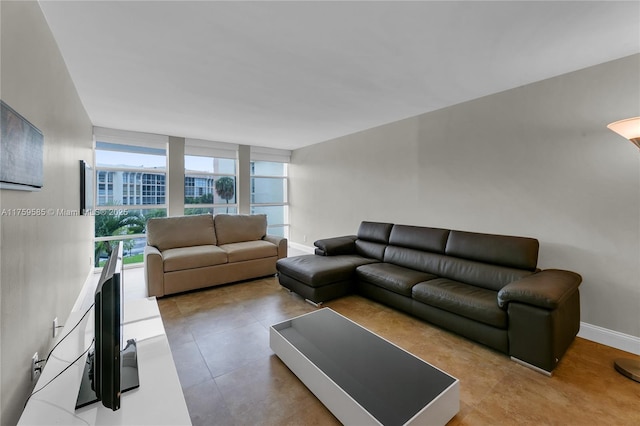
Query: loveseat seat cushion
[[318, 271], [249, 250], [236, 228], [181, 231], [392, 277], [182, 258], [469, 301]]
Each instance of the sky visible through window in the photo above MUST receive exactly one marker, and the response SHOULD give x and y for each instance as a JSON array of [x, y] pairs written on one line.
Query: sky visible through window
[[115, 155]]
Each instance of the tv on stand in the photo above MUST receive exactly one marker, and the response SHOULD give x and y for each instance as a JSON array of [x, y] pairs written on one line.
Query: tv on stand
[[111, 368]]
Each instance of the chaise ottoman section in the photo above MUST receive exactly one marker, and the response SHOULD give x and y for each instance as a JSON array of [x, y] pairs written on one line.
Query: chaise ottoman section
[[319, 278]]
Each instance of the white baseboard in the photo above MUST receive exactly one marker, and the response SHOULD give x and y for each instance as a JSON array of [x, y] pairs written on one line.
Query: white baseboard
[[615, 339], [302, 247]]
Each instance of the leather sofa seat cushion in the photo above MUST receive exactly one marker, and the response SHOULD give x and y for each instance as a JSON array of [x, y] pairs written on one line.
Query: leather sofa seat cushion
[[181, 231], [392, 277], [469, 301], [182, 258], [318, 271], [249, 250], [231, 228]]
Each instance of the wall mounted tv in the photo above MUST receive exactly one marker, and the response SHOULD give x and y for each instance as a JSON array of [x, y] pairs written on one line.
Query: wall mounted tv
[[110, 368], [21, 152]]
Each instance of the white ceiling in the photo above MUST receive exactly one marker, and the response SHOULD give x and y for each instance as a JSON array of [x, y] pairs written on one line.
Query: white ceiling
[[290, 74]]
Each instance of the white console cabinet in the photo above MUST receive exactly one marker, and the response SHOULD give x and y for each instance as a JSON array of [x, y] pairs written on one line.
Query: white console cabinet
[[158, 400]]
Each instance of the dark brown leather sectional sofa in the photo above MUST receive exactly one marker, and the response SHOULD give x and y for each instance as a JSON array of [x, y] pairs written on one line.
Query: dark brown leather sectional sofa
[[484, 287]]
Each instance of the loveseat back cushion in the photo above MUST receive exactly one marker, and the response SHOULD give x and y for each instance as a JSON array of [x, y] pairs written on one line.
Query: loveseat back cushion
[[492, 277], [238, 228], [181, 231], [513, 252], [419, 238]]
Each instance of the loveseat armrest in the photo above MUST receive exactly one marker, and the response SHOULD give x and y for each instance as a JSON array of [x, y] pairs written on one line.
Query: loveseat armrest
[[280, 242], [545, 289], [336, 245], [153, 271]]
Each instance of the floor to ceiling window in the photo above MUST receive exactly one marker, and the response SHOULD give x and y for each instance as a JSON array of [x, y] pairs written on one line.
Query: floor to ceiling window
[[130, 189], [269, 189], [131, 186], [210, 177], [209, 185]]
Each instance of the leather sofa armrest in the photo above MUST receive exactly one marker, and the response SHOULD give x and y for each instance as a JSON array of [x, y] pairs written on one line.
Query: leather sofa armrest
[[280, 242], [336, 245], [546, 289], [153, 271]]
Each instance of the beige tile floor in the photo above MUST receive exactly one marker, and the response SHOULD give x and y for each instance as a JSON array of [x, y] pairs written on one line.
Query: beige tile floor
[[230, 376]]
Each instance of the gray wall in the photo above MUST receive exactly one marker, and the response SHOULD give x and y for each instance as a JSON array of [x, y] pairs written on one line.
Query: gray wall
[[533, 161], [44, 261]]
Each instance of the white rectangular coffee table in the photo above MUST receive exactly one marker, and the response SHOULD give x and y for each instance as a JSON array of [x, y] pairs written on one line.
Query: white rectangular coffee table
[[360, 377]]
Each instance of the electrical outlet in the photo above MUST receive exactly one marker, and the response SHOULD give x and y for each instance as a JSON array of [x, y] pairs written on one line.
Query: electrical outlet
[[55, 327], [304, 238], [35, 369]]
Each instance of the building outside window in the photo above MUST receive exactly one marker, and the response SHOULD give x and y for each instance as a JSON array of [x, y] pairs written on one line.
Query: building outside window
[[130, 189], [105, 187]]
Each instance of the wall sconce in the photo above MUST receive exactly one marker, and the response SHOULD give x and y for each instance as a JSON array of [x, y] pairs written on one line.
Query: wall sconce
[[628, 128]]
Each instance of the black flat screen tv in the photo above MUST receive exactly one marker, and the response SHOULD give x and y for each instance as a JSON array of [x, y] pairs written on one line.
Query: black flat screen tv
[[111, 368]]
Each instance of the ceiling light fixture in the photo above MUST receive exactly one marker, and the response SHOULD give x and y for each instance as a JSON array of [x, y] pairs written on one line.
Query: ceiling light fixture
[[628, 128]]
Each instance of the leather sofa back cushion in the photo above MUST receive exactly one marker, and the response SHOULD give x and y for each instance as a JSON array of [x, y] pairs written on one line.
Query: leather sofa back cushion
[[480, 274], [375, 232], [181, 231], [370, 250], [419, 238], [514, 252], [239, 228]]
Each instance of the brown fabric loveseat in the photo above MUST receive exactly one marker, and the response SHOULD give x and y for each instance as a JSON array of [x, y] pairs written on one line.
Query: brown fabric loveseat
[[191, 252]]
